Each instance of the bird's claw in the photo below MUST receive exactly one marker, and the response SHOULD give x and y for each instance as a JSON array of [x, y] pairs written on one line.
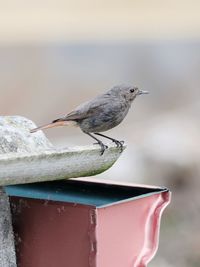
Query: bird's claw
[[103, 147], [119, 144]]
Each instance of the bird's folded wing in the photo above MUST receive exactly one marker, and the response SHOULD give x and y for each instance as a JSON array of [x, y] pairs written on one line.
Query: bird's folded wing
[[84, 111]]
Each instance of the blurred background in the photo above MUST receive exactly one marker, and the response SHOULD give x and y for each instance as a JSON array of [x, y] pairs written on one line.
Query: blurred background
[[56, 54]]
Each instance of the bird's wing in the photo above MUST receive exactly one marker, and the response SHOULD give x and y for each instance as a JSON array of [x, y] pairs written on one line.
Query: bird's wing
[[84, 111]]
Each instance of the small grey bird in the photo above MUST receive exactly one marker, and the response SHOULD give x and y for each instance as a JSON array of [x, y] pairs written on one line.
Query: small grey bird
[[100, 114]]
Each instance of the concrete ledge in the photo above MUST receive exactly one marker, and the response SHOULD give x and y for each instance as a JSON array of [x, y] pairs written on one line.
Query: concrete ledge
[[55, 164]]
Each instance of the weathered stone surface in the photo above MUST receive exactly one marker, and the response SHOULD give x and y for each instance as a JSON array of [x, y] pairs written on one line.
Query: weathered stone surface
[[7, 250], [16, 138]]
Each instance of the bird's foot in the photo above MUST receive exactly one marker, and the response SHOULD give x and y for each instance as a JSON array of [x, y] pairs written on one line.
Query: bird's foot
[[119, 144], [103, 147]]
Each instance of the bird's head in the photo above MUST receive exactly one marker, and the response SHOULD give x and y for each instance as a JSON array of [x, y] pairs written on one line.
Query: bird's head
[[128, 92]]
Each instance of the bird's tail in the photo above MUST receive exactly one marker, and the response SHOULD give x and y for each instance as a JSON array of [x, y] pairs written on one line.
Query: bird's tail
[[50, 125]]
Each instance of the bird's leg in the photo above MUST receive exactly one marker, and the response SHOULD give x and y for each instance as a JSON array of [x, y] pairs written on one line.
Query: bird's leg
[[99, 142], [117, 142]]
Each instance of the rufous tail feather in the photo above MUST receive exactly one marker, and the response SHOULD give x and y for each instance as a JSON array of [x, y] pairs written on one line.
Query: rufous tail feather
[[50, 125]]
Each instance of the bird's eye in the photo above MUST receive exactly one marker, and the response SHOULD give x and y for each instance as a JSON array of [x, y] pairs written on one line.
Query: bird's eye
[[132, 90]]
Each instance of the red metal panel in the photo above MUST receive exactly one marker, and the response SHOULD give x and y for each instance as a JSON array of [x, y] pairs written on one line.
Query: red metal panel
[[51, 234], [128, 233]]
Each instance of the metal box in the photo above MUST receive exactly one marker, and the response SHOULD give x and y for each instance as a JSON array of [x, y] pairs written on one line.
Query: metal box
[[86, 223]]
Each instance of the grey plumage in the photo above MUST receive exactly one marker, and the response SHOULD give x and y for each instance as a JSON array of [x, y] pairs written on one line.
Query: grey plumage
[[100, 114]]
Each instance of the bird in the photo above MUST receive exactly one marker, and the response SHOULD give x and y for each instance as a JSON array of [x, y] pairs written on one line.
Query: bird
[[100, 114]]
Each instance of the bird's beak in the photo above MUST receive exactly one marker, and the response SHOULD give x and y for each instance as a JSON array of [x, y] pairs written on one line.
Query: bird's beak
[[140, 92]]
